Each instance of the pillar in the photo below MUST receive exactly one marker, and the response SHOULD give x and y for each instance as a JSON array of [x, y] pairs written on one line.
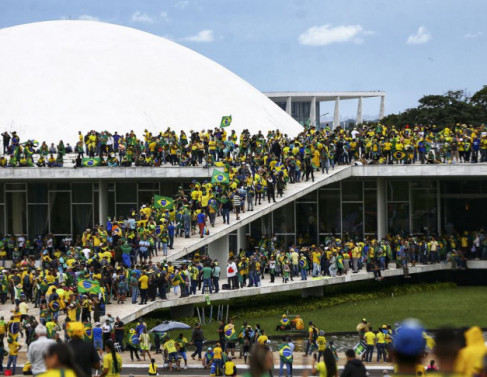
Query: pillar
[[312, 292], [360, 115], [381, 208], [336, 114], [289, 105], [382, 106], [102, 202], [218, 249], [241, 238], [312, 112]]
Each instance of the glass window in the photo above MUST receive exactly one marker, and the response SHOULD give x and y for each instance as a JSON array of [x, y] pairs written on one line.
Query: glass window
[[352, 219], [149, 186], [463, 214], [2, 193], [306, 227], [2, 219], [111, 205], [424, 211], [311, 197], [82, 192], [330, 217], [267, 224], [16, 213], [284, 219], [334, 185], [370, 211], [398, 218], [284, 241], [232, 243], [126, 192], [397, 191], [38, 219], [15, 186], [256, 229], [124, 209], [145, 197], [60, 213], [370, 184], [59, 186], [37, 192], [352, 191], [82, 217]]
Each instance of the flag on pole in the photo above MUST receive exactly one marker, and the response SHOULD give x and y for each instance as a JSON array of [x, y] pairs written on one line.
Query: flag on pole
[[163, 202], [91, 162], [226, 121], [220, 177], [89, 286]]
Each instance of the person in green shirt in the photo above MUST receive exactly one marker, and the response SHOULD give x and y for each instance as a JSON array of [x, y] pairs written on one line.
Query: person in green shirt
[[206, 275]]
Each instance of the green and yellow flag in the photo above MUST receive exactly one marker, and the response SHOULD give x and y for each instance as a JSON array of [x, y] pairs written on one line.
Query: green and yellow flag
[[226, 121], [88, 286], [163, 202], [91, 162], [220, 177]]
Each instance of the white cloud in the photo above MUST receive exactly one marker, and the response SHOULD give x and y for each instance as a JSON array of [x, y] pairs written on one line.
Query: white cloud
[[421, 36], [326, 34], [164, 16], [202, 36], [87, 17], [182, 4], [473, 35], [138, 16]]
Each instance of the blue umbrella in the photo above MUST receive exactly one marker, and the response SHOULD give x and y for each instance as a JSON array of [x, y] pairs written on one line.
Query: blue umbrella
[[170, 325]]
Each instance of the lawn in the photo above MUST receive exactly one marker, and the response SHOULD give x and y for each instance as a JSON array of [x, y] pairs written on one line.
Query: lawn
[[457, 307]]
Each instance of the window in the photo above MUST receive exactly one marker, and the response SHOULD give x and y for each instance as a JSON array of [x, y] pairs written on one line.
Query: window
[[330, 216], [306, 227], [38, 219], [16, 213], [82, 192], [352, 191], [126, 192], [284, 219], [60, 212], [37, 192]]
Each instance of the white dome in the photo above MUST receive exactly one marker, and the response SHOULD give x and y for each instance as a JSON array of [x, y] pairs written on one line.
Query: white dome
[[59, 77]]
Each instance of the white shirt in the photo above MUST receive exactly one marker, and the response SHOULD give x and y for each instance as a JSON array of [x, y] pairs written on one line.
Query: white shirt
[[36, 352], [231, 270]]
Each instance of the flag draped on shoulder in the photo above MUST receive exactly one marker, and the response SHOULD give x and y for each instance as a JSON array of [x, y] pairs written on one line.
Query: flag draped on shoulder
[[163, 202], [226, 121], [88, 286], [219, 177], [91, 162]]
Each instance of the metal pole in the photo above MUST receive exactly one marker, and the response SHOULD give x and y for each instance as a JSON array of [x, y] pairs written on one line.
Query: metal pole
[[211, 314], [198, 312], [203, 314], [228, 308]]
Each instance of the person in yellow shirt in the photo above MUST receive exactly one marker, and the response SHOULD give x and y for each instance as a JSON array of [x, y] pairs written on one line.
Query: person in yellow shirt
[[112, 361], [144, 286], [13, 352], [153, 368], [262, 339], [171, 353], [321, 343], [370, 339], [230, 368], [218, 358], [381, 345]]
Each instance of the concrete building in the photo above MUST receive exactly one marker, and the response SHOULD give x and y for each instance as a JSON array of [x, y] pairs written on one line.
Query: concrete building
[[305, 106]]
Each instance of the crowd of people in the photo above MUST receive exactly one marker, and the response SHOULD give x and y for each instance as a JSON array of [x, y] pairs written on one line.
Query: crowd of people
[[374, 143]]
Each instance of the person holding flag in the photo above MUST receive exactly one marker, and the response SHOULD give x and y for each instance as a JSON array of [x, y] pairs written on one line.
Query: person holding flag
[[230, 338], [286, 350]]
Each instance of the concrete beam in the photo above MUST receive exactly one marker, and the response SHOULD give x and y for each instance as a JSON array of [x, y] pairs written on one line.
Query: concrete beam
[[312, 292], [382, 107], [289, 105], [336, 113], [360, 115], [102, 202]]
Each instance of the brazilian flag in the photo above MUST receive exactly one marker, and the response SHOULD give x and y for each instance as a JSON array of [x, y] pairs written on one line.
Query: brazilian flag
[[226, 121], [230, 333], [220, 177], [285, 353], [399, 155], [91, 162], [89, 286], [163, 202]]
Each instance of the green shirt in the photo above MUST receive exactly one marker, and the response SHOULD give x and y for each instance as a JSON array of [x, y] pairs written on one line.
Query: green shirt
[[206, 272]]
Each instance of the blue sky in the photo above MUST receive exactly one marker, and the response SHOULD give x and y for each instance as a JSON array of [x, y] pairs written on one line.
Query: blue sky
[[407, 48]]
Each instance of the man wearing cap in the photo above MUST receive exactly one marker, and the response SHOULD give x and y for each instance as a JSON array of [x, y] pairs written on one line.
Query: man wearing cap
[[408, 347]]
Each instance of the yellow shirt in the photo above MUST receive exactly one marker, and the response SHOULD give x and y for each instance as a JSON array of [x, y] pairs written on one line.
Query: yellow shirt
[[57, 373], [321, 369], [262, 339], [108, 364], [369, 338], [144, 282], [321, 342], [217, 353], [13, 349], [229, 368], [170, 346]]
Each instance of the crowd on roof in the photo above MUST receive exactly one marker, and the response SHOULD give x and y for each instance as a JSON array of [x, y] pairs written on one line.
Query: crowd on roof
[[375, 143]]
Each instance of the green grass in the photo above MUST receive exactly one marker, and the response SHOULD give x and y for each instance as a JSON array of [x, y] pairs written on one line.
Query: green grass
[[452, 306]]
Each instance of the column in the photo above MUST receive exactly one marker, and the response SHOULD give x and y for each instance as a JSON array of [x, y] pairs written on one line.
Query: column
[[102, 202], [382, 105], [241, 238], [360, 115], [289, 105], [381, 208], [312, 112], [218, 249], [336, 114]]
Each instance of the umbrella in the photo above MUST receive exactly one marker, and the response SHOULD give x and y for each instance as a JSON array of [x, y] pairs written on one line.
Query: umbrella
[[170, 325]]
